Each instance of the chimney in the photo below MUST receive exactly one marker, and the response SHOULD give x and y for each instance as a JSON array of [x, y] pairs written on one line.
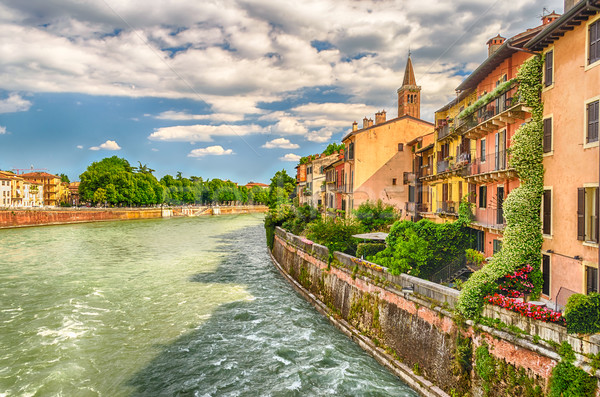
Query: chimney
[[365, 123], [546, 19], [380, 117], [494, 43], [570, 4], [370, 122], [354, 126]]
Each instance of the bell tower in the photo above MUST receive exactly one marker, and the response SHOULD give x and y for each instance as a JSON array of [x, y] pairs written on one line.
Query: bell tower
[[409, 95]]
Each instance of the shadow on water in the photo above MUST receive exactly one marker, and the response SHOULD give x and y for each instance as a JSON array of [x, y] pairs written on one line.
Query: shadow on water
[[271, 344]]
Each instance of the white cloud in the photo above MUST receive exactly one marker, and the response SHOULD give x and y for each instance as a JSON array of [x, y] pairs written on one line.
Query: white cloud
[[211, 150], [2, 130], [79, 146], [221, 117], [290, 157], [14, 103], [280, 143], [108, 145], [154, 149], [202, 133], [289, 126], [323, 135]]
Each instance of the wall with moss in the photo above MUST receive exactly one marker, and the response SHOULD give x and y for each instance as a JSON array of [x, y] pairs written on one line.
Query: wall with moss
[[417, 331]]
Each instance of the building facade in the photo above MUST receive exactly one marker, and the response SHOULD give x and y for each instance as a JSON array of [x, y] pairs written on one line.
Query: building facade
[[570, 47]]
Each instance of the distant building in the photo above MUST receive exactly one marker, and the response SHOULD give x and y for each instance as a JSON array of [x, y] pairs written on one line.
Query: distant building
[[250, 185], [51, 186], [74, 193], [5, 190]]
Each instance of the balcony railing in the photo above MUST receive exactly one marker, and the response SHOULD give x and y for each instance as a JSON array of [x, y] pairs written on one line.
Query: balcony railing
[[445, 130], [443, 166], [447, 207], [492, 162], [491, 218], [425, 170]]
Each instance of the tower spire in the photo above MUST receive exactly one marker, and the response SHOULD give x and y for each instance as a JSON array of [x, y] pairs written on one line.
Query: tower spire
[[409, 95]]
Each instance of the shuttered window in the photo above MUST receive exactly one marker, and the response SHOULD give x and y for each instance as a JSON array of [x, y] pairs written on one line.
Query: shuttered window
[[482, 196], [592, 122], [591, 275], [594, 49], [547, 135], [581, 214], [547, 212], [548, 68], [546, 275]]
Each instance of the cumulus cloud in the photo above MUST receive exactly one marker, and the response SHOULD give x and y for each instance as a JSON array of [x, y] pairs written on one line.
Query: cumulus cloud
[[14, 103], [280, 143], [79, 146], [294, 158], [202, 133], [321, 136], [108, 145], [210, 151], [2, 130], [289, 126]]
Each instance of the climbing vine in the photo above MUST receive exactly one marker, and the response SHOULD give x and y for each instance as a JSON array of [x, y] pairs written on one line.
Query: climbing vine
[[486, 99], [522, 242]]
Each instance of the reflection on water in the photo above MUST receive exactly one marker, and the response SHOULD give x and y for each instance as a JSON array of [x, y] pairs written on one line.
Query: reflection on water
[[165, 307]]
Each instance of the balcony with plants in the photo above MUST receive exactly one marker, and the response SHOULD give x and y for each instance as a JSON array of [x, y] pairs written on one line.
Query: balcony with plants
[[492, 111]]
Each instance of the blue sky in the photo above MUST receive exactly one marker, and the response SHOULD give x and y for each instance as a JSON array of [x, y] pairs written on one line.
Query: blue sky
[[231, 89]]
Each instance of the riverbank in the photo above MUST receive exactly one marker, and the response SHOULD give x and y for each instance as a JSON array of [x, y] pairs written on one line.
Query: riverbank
[[21, 217], [409, 325]]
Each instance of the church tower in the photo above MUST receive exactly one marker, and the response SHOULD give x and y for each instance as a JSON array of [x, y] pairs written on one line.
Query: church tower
[[409, 95]]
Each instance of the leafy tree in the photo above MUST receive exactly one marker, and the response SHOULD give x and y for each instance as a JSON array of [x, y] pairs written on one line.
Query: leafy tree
[[281, 187], [376, 216], [64, 178], [333, 148], [99, 195], [335, 233]]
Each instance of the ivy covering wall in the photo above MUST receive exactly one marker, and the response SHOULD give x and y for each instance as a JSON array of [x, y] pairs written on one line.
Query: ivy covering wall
[[522, 241]]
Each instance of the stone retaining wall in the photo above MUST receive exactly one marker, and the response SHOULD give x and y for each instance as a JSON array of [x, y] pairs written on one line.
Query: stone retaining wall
[[410, 321]]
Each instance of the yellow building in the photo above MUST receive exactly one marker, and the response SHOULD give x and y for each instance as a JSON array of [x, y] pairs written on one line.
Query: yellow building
[[452, 153], [51, 186]]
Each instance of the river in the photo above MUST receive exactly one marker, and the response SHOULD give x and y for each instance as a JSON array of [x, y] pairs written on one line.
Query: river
[[190, 307]]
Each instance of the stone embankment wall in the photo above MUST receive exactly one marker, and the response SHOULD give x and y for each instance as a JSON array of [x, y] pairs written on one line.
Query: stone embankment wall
[[33, 217], [408, 325]]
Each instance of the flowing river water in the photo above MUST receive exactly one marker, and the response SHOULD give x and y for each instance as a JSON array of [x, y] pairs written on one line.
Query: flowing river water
[[190, 307]]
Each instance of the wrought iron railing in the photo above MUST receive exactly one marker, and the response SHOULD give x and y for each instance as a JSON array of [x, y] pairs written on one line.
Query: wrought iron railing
[[492, 162]]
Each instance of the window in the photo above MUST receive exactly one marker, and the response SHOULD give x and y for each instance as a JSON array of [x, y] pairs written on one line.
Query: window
[[587, 214], [592, 122], [482, 150], [400, 147], [594, 49], [547, 135], [479, 240], [482, 196], [394, 181], [548, 65], [546, 275], [497, 245], [406, 178], [591, 279], [547, 212], [411, 194]]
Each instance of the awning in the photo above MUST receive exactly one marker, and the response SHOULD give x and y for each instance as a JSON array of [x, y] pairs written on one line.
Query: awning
[[372, 236]]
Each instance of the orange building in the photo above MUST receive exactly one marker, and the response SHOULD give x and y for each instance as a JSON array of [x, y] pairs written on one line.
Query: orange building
[[570, 47], [377, 155], [490, 124]]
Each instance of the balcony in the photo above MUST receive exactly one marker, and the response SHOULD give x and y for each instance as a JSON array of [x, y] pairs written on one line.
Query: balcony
[[493, 167], [447, 208], [505, 108], [425, 170], [445, 130], [443, 166], [491, 219], [323, 187]]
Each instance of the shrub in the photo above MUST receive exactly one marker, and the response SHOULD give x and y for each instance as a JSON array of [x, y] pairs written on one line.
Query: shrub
[[299, 218], [474, 257], [364, 250], [583, 313], [335, 234], [568, 380], [376, 216], [276, 217], [423, 247]]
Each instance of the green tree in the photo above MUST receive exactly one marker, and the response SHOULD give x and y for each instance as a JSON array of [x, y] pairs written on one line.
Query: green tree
[[64, 178], [333, 148], [376, 216], [281, 187], [99, 196]]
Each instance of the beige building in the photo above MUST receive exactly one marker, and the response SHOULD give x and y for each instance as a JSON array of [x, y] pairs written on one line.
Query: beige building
[[377, 155], [51, 186]]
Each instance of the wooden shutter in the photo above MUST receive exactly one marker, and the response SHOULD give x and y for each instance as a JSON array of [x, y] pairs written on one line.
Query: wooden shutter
[[548, 64], [580, 214], [596, 225], [547, 214], [546, 275], [547, 135]]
